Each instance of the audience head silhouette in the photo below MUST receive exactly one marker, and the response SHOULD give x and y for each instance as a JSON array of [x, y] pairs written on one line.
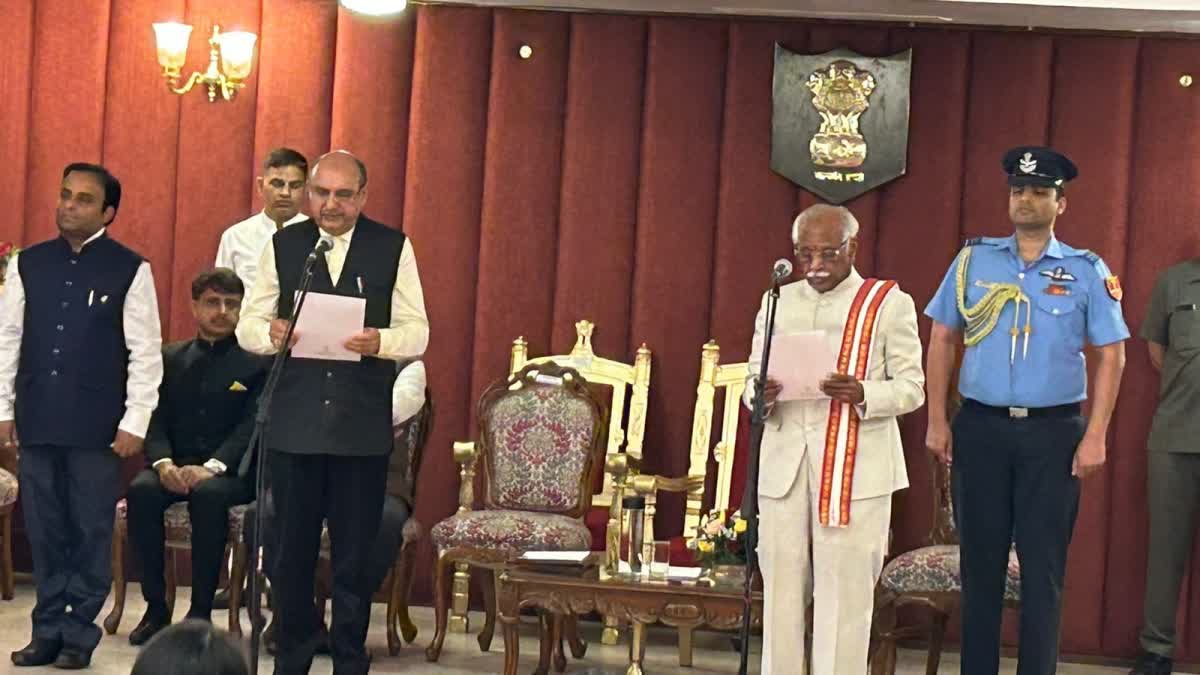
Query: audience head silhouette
[[191, 648]]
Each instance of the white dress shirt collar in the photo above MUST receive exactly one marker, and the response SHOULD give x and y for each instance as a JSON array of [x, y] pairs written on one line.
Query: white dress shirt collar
[[266, 220]]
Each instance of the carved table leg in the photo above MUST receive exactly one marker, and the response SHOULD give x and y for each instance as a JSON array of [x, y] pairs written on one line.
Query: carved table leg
[[611, 634], [637, 648], [459, 623], [512, 645], [557, 656], [685, 646], [545, 641]]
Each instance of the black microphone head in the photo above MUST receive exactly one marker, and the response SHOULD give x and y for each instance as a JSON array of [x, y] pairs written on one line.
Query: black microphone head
[[325, 244], [782, 269]]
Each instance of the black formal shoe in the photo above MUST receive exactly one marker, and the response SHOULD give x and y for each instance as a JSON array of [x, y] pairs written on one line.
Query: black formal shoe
[[221, 599], [148, 627], [1152, 664], [272, 647], [73, 658], [39, 652]]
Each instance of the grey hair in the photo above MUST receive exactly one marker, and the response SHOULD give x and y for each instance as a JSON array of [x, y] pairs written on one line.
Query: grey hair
[[849, 222]]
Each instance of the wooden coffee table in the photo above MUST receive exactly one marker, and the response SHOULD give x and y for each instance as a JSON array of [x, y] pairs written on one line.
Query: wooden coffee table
[[641, 602]]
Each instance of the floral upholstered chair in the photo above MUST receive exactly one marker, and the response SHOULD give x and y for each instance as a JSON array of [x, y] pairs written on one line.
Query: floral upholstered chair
[[540, 440], [624, 392], [927, 577], [8, 502], [178, 538]]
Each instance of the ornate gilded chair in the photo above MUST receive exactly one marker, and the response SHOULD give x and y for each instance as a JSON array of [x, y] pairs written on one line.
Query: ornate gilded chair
[[626, 407], [729, 382], [540, 442], [8, 502], [927, 577], [178, 538]]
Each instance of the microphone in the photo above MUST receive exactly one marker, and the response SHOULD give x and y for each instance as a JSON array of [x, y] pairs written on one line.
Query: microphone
[[325, 243], [781, 271]]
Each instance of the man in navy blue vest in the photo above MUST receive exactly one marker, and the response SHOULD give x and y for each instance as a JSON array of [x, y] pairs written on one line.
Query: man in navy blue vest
[[331, 421], [80, 368]]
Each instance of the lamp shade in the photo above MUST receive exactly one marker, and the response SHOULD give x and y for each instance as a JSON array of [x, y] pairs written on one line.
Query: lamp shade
[[237, 52], [171, 39], [375, 7]]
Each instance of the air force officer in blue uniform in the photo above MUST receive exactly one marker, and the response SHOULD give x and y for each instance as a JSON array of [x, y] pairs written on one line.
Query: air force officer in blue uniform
[[1024, 306]]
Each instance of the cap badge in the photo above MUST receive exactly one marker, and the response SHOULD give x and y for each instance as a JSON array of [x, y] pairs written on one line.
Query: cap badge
[[1028, 163]]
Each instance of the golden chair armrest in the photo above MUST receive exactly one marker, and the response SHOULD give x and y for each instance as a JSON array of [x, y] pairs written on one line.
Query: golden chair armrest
[[465, 455], [617, 464], [647, 485]]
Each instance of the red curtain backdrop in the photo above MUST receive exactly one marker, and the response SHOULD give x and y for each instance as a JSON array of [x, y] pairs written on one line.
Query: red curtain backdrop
[[621, 175]]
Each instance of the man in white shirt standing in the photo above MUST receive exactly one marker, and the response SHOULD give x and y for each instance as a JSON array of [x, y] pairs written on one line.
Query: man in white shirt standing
[[331, 421], [79, 375], [829, 465], [281, 188]]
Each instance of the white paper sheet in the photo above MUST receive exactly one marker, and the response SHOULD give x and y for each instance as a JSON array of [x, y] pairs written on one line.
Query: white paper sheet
[[326, 322], [800, 361], [556, 556]]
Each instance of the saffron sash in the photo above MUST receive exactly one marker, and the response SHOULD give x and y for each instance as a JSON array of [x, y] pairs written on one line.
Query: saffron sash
[[841, 432]]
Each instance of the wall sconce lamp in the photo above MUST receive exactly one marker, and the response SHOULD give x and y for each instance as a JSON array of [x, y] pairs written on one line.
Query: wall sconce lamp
[[375, 7], [229, 59]]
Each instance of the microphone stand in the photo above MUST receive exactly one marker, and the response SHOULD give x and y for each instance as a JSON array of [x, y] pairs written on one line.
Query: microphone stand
[[256, 453], [758, 420]]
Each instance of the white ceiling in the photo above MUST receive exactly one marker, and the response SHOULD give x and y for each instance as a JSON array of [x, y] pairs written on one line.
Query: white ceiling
[[1157, 16]]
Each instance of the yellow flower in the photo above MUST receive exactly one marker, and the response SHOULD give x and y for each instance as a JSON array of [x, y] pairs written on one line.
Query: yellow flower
[[739, 526], [705, 546]]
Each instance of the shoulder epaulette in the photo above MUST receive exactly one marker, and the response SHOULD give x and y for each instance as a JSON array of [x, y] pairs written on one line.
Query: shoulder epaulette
[[1096, 261], [974, 241]]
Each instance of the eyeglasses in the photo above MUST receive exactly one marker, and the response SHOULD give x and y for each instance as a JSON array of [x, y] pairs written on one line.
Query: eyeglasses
[[323, 194], [219, 304], [804, 255]]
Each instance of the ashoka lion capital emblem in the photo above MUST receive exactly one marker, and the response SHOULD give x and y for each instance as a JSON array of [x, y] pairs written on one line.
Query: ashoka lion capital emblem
[[840, 94]]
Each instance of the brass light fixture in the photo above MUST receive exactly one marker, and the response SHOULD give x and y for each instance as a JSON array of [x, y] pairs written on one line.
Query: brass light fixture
[[229, 59], [375, 7]]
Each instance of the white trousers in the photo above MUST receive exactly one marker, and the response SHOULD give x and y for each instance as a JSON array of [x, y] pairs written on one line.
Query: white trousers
[[836, 568]]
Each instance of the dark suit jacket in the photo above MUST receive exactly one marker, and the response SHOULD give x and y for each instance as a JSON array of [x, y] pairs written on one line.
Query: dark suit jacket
[[207, 402]]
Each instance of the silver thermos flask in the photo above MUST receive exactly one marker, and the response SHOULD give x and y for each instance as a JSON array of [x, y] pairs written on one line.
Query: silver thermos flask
[[635, 508]]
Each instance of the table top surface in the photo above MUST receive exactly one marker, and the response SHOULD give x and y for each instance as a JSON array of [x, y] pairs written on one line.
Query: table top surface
[[587, 575]]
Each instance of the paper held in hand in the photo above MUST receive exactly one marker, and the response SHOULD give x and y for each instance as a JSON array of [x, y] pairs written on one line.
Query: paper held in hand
[[326, 322], [800, 362]]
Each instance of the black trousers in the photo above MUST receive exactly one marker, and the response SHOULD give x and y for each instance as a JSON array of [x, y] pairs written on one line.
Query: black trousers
[[347, 492], [68, 496], [1012, 481], [208, 508], [383, 550]]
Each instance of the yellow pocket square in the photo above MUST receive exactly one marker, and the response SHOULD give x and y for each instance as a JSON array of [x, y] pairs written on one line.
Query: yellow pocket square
[[237, 386]]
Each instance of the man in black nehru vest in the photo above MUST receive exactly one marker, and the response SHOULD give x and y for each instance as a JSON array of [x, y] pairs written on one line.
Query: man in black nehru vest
[[79, 353], [331, 421]]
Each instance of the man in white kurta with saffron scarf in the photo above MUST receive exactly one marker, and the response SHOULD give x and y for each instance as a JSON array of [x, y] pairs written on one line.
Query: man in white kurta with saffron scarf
[[829, 465]]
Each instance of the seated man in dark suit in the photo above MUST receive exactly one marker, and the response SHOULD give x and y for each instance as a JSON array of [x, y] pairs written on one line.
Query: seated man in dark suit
[[408, 397], [194, 446]]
